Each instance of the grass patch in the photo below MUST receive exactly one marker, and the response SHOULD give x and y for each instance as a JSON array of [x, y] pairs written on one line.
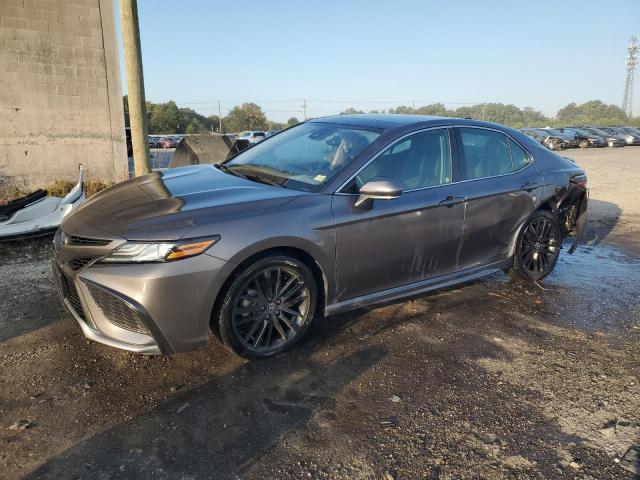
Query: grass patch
[[59, 188]]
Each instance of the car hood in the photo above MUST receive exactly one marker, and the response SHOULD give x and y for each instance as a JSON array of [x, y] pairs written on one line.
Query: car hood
[[166, 205]]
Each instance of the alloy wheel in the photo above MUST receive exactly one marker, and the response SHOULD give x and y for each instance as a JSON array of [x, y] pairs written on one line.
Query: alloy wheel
[[270, 309], [540, 246]]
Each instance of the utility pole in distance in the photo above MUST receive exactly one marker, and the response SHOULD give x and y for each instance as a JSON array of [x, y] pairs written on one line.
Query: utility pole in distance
[[304, 108], [135, 85], [630, 64], [220, 128]]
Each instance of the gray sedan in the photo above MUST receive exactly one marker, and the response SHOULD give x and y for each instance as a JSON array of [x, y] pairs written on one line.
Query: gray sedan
[[330, 215]]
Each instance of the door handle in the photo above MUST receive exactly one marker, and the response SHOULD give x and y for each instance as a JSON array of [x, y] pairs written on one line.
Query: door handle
[[450, 201], [528, 186]]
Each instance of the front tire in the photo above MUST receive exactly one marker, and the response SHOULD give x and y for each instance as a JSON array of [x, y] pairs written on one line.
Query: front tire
[[537, 247], [583, 143], [268, 307]]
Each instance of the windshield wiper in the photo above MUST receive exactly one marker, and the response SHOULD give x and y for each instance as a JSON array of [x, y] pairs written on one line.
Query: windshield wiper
[[256, 175], [224, 168], [262, 179]]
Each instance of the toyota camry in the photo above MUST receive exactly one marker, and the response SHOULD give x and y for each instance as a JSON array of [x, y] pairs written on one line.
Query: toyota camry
[[330, 215]]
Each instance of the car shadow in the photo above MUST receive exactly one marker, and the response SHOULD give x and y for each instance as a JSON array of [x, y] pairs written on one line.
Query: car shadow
[[603, 217], [218, 428]]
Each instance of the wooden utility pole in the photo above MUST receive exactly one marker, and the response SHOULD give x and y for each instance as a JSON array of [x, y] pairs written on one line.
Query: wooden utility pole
[[135, 85], [220, 127]]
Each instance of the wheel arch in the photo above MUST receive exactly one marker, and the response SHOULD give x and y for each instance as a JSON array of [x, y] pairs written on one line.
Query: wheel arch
[[297, 252], [550, 205]]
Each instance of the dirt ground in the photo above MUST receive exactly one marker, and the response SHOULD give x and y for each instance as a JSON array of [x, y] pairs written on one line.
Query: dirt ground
[[493, 379]]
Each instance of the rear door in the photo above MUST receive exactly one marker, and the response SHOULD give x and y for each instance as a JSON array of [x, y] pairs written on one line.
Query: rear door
[[402, 241], [502, 189]]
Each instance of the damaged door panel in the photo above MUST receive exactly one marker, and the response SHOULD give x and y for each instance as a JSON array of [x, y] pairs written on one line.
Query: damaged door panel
[[570, 206], [410, 238], [503, 189]]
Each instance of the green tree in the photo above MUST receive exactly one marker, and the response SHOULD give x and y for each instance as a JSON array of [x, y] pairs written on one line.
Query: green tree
[[593, 112], [164, 118], [292, 121], [247, 116], [437, 109], [213, 122], [168, 118], [403, 110], [125, 104], [351, 111]]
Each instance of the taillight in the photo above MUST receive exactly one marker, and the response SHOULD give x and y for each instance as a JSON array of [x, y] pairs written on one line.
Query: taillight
[[580, 180]]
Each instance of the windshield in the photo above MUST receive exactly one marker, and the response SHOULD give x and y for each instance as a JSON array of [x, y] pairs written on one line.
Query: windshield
[[533, 133], [597, 131], [551, 131], [584, 133], [305, 157], [543, 132]]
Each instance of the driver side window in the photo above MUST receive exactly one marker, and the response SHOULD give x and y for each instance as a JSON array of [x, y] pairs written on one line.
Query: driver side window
[[418, 161]]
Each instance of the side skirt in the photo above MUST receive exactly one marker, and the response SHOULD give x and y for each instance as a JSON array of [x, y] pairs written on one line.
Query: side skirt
[[398, 293]]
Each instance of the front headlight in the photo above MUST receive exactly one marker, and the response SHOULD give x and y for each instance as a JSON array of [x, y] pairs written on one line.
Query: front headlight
[[143, 252]]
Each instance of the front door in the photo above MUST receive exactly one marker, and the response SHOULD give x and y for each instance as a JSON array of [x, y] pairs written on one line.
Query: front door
[[412, 238]]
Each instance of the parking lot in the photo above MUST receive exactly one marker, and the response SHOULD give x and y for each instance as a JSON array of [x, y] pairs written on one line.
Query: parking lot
[[493, 379]]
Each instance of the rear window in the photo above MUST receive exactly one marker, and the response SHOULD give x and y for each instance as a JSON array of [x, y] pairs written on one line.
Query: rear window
[[487, 153]]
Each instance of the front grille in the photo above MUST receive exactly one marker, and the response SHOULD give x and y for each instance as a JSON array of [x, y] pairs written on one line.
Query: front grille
[[70, 292], [81, 262], [117, 310], [84, 241]]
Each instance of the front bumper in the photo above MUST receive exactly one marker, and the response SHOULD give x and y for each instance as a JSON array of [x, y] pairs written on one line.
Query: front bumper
[[154, 308]]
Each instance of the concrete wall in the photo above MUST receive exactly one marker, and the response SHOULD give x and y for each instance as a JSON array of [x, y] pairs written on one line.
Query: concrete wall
[[60, 96]]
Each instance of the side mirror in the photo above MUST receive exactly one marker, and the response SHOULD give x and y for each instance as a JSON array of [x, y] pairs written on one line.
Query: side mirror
[[381, 189]]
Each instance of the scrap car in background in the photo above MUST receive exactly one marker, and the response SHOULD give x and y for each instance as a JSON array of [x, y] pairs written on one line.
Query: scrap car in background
[[570, 141], [330, 215], [632, 130], [629, 137], [549, 140], [585, 139], [612, 140], [253, 136], [167, 142]]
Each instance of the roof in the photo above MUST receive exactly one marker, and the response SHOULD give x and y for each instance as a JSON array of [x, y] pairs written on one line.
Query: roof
[[391, 120], [388, 120]]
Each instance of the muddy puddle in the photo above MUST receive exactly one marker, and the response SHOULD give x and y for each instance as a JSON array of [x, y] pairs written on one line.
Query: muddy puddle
[[595, 289]]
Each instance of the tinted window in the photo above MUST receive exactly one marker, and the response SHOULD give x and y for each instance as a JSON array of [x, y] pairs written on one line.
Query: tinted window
[[418, 161], [305, 156], [487, 153], [518, 155]]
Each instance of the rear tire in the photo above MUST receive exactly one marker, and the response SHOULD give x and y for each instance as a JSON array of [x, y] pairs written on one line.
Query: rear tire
[[537, 247], [267, 307]]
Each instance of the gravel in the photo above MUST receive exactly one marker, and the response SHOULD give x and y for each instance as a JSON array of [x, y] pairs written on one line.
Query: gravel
[[493, 379]]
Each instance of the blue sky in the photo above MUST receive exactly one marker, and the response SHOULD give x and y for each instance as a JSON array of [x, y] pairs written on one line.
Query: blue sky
[[379, 54]]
